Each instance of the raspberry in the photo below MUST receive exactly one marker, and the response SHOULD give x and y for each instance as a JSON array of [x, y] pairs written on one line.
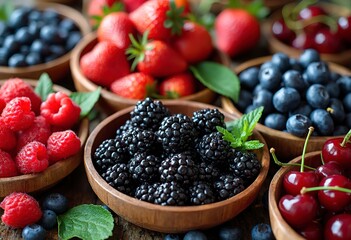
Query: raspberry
[[32, 158], [17, 114], [39, 131], [2, 104], [62, 145], [16, 87], [20, 210], [60, 110], [7, 165], [8, 139]]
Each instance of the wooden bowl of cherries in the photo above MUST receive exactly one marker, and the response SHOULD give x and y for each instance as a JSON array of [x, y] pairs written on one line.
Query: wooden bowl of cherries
[[309, 198]]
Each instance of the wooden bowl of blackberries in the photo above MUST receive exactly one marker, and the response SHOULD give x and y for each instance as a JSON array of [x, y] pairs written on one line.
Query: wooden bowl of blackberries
[[325, 27], [39, 38], [296, 93], [152, 165]]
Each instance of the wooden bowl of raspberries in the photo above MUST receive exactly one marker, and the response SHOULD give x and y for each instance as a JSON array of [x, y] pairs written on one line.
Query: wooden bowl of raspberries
[[41, 142], [318, 90], [39, 38], [163, 181]]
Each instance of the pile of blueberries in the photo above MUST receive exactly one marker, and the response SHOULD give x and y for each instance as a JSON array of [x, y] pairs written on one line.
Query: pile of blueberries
[[31, 36], [297, 93]]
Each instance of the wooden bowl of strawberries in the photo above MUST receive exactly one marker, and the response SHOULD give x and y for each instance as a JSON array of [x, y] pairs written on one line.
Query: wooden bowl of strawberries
[[40, 143], [131, 194]]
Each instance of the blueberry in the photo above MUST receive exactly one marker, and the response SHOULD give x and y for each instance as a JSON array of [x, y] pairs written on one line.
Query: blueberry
[[267, 64], [270, 78], [340, 130], [333, 89], [309, 56], [317, 96], [317, 72], [250, 108], [293, 78], [40, 47], [11, 44], [56, 202], [68, 24], [229, 233], [195, 235], [4, 56], [347, 102], [18, 18], [4, 29], [51, 16], [275, 121], [336, 110], [24, 36], [334, 76], [24, 49], [34, 28], [295, 65], [303, 109], [49, 219], [57, 50], [249, 78], [245, 100], [286, 99], [262, 231], [171, 237], [34, 15], [298, 125], [33, 232], [322, 122], [281, 61], [345, 85], [17, 60], [33, 58], [50, 34], [263, 98], [257, 89], [73, 39]]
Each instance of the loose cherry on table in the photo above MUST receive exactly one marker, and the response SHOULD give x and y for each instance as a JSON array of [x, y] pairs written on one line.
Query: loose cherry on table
[[338, 227]]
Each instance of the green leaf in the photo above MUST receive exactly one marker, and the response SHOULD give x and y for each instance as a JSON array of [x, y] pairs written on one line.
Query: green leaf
[[253, 117], [86, 100], [252, 145], [218, 78], [228, 136], [44, 86], [5, 10], [255, 7], [86, 221]]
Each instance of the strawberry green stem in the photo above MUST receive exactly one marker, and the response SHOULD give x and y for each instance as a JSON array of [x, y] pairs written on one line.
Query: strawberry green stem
[[346, 139], [276, 161], [310, 130], [334, 188]]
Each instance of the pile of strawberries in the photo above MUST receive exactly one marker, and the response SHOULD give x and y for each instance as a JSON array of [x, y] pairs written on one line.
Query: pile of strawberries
[[34, 133], [147, 51]]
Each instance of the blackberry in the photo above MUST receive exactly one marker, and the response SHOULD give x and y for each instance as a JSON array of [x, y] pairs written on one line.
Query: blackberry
[[171, 194], [124, 128], [207, 172], [206, 120], [201, 193], [245, 165], [213, 148], [146, 192], [143, 167], [176, 133], [109, 152], [228, 186], [179, 168], [119, 178], [138, 141], [148, 114]]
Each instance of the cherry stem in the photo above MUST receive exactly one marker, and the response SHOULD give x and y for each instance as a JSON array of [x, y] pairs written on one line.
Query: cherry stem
[[346, 139], [310, 131], [279, 163], [335, 188]]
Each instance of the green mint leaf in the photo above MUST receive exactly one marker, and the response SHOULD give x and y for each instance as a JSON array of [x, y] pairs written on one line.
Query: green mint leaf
[[228, 136], [5, 10], [252, 145], [86, 221], [218, 78], [86, 100], [252, 118], [44, 86]]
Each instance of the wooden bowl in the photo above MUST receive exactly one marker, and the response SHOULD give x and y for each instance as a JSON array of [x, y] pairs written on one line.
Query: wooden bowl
[[108, 98], [287, 145], [168, 219], [54, 173], [281, 229], [59, 67], [275, 45]]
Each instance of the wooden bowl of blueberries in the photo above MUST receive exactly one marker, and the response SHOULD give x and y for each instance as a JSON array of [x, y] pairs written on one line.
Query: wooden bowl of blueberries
[[39, 38], [158, 179], [296, 93]]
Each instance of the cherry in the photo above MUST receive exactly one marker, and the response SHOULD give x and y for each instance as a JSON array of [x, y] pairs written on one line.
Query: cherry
[[339, 150], [344, 28], [325, 41], [338, 227], [328, 169], [302, 41], [311, 12], [312, 231], [282, 32], [298, 210], [294, 181]]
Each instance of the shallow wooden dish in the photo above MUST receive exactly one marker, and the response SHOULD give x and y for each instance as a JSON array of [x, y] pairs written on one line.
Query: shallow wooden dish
[[275, 45], [168, 219], [57, 68], [288, 146], [54, 173], [109, 99], [280, 227]]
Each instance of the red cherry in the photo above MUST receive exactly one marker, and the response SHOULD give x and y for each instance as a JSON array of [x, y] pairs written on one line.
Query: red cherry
[[339, 150], [334, 200], [326, 41], [310, 12], [298, 210], [338, 227], [344, 28], [328, 169], [282, 32], [312, 231], [294, 181], [302, 41]]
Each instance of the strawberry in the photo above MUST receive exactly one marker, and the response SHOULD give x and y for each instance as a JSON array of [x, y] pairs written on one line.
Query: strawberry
[[236, 31], [134, 86], [179, 85], [131, 5], [155, 57], [104, 63], [116, 27], [96, 9], [185, 4], [160, 17], [194, 44]]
